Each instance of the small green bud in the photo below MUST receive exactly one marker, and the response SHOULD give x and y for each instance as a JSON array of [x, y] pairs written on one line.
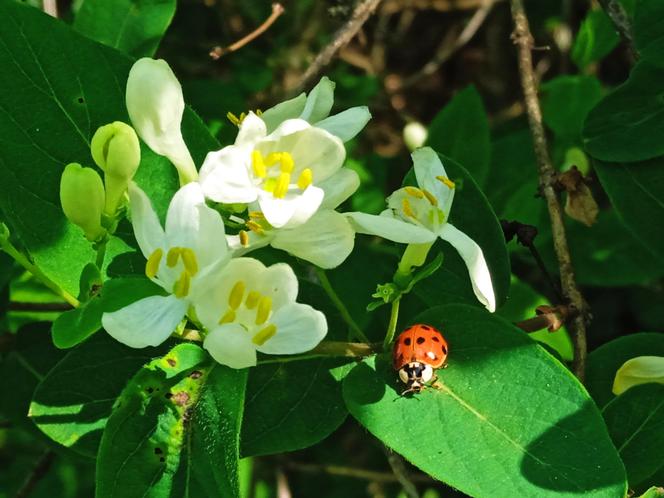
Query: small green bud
[[82, 197]]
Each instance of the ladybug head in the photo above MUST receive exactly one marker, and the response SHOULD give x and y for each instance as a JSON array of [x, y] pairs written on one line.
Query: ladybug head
[[415, 375]]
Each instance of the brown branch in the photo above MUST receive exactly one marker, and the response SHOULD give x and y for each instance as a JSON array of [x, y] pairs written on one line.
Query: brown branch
[[401, 473], [45, 307], [620, 20], [38, 473], [344, 35], [547, 177], [547, 317], [277, 10], [355, 473]]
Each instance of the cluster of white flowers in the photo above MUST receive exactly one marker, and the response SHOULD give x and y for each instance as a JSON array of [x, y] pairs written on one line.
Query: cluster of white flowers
[[284, 177]]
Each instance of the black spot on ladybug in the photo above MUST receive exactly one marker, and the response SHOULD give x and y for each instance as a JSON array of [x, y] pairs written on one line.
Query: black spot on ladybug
[[435, 339], [171, 362], [406, 341], [420, 340], [444, 350], [158, 451], [196, 374], [426, 327]]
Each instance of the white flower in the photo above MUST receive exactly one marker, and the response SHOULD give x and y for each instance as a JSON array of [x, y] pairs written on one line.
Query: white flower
[[315, 109], [182, 259], [252, 308], [155, 105], [279, 172], [325, 240], [639, 370], [419, 216]]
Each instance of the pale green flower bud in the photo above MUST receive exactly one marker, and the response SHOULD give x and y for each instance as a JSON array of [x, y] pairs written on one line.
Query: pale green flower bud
[[82, 197], [639, 370], [414, 135]]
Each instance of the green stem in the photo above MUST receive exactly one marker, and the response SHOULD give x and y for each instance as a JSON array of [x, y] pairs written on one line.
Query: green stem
[[392, 327], [101, 253], [9, 248], [338, 303], [331, 349]]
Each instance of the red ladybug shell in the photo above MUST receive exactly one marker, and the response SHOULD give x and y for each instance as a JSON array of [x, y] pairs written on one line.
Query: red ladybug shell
[[421, 343]]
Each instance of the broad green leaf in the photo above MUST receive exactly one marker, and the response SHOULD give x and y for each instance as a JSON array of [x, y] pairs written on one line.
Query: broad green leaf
[[292, 405], [596, 38], [73, 327], [637, 193], [60, 88], [174, 427], [627, 125], [648, 28], [508, 419], [635, 420], [461, 131], [72, 402], [132, 26], [566, 101], [604, 361]]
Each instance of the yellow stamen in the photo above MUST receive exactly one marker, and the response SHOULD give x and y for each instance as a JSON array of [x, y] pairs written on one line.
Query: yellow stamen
[[415, 192], [189, 260], [233, 118], [407, 209], [173, 256], [152, 266], [252, 299], [254, 227], [258, 164], [258, 113], [264, 310], [244, 238], [430, 197], [273, 158], [281, 187], [446, 181], [256, 215], [236, 295], [305, 179], [287, 163], [264, 335], [270, 184], [228, 317], [181, 287]]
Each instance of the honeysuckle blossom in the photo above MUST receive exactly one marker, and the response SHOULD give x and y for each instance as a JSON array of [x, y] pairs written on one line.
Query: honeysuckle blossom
[[252, 308], [315, 109], [325, 240], [418, 215], [155, 105], [182, 259], [639, 370], [277, 174]]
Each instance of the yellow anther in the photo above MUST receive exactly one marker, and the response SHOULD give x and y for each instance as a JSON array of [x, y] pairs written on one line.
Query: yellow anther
[[189, 260], [233, 119], [415, 192], [273, 158], [181, 287], [258, 112], [264, 335], [258, 164], [305, 179], [446, 181], [228, 317], [236, 295], [430, 197], [281, 187], [256, 215], [252, 299], [254, 227], [244, 238], [264, 309], [173, 256], [152, 266], [407, 209], [287, 163], [270, 184]]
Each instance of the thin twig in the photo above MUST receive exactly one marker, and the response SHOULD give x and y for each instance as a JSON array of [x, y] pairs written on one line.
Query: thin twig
[[616, 12], [368, 475], [548, 317], [38, 472], [344, 35], [547, 177], [340, 305], [399, 468], [42, 307], [277, 10]]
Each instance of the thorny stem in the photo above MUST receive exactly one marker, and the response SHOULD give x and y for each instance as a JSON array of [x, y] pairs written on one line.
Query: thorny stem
[[277, 10], [620, 19], [392, 326], [339, 304], [547, 176]]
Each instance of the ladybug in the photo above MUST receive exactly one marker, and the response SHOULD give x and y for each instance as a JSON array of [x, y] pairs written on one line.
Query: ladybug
[[418, 351]]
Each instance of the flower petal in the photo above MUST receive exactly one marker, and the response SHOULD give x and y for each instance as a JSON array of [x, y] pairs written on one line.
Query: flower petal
[[428, 166], [147, 229], [289, 109], [231, 345], [225, 176], [280, 283], [346, 124], [390, 228], [146, 322], [299, 328], [251, 130], [639, 370], [339, 187], [326, 240], [319, 101], [182, 216], [294, 209], [472, 255]]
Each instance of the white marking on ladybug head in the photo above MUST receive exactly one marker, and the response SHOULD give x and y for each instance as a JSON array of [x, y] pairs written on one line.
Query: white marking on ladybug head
[[403, 375], [427, 373], [431, 355]]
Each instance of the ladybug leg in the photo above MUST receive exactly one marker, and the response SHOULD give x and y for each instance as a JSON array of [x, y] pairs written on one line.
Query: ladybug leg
[[435, 383]]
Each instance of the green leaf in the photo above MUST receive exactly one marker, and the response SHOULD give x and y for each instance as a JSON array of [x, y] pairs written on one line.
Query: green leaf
[[635, 420], [508, 419], [597, 37], [57, 91], [174, 427], [648, 28], [566, 101], [73, 327], [637, 193], [293, 405], [627, 124], [653, 492], [461, 131], [132, 26], [604, 361], [73, 401]]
